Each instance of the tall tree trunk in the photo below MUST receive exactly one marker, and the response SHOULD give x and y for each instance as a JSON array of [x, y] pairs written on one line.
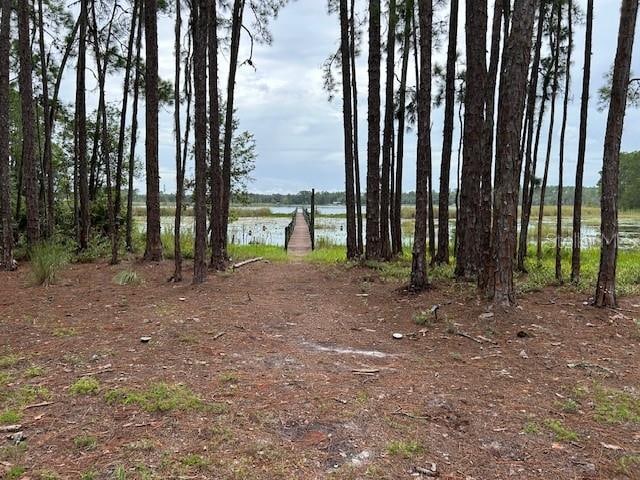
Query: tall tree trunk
[[486, 268], [373, 247], [387, 142], [134, 135], [153, 251], [396, 231], [122, 130], [442, 256], [582, 143], [29, 164], [81, 131], [46, 155], [563, 131], [468, 254], [218, 238], [177, 250], [5, 181], [430, 211], [530, 114], [356, 149], [200, 26], [347, 121], [513, 86], [419, 279], [236, 26], [554, 96], [606, 288], [458, 174]]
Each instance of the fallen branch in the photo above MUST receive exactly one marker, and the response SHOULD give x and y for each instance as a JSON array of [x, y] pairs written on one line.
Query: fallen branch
[[595, 366], [38, 405], [218, 335], [402, 413], [10, 428], [246, 262], [365, 371], [466, 335]]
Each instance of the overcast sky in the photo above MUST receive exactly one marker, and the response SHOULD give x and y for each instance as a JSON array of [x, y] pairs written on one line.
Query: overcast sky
[[299, 133]]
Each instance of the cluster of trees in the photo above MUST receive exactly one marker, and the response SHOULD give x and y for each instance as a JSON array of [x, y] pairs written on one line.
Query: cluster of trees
[[63, 168], [530, 58]]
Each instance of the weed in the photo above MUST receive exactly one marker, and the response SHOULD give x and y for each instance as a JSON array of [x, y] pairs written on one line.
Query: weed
[[142, 445], [85, 386], [127, 277], [616, 406], [195, 461], [228, 377], [405, 449], [422, 319], [569, 406], [560, 432], [46, 261], [628, 463], [85, 442], [120, 473], [158, 397], [9, 360], [531, 428], [34, 371], [9, 417], [63, 332], [88, 475], [5, 378], [15, 472]]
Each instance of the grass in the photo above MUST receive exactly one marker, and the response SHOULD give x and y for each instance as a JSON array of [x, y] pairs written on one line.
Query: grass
[[195, 461], [615, 406], [10, 417], [422, 318], [34, 371], [47, 259], [627, 464], [14, 399], [85, 386], [127, 277], [531, 428], [569, 406], [15, 472], [228, 377], [9, 360], [187, 240], [158, 397], [63, 332], [268, 252], [85, 442], [328, 255], [405, 449], [120, 473], [560, 432]]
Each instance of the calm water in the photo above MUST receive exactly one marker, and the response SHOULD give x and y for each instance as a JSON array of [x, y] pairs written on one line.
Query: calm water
[[269, 230]]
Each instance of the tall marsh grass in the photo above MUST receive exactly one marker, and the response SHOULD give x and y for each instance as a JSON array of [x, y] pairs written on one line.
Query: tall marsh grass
[[47, 259]]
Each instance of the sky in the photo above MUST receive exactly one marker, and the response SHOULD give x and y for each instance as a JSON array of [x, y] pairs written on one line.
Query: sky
[[298, 132]]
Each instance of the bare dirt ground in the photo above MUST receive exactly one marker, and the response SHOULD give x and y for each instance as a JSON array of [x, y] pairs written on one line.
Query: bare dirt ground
[[290, 370]]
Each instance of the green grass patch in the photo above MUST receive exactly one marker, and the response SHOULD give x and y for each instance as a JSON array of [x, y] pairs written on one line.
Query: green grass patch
[[14, 399], [63, 332], [616, 406], [120, 473], [628, 464], [330, 254], [9, 360], [5, 378], [15, 472], [531, 428], [47, 259], [560, 432], [569, 406], [85, 442], [195, 461], [228, 377], [422, 319], [34, 371], [405, 449], [10, 417], [187, 244], [85, 386], [159, 397], [268, 252], [127, 277]]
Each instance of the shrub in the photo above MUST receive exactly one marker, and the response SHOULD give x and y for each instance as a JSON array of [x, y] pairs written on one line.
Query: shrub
[[47, 259], [85, 386], [127, 277]]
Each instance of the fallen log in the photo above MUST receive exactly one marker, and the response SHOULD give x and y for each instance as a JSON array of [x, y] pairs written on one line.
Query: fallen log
[[246, 262]]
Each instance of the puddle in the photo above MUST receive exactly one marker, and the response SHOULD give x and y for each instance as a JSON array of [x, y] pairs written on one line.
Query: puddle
[[348, 351]]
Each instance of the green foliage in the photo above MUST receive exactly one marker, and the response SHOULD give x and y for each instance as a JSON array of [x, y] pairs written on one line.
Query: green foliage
[[34, 371], [85, 442], [328, 255], [47, 259], [628, 464], [629, 180], [560, 432], [9, 417], [85, 386], [195, 461], [9, 360], [569, 406], [268, 252], [616, 406], [127, 277], [187, 242], [88, 475], [531, 428], [422, 318], [159, 397], [405, 449], [15, 472], [120, 473]]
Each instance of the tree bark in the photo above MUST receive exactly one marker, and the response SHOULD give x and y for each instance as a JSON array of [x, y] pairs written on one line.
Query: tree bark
[[236, 26], [5, 182], [218, 238], [442, 255], [513, 85], [419, 279], [387, 142], [134, 134], [582, 143], [347, 122], [554, 95], [122, 130], [468, 254], [356, 149], [373, 247], [81, 131], [486, 269], [563, 131], [177, 250], [605, 295], [529, 161], [153, 251], [29, 164], [200, 26]]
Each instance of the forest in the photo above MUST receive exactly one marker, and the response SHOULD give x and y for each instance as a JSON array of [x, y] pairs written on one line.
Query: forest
[[483, 323]]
